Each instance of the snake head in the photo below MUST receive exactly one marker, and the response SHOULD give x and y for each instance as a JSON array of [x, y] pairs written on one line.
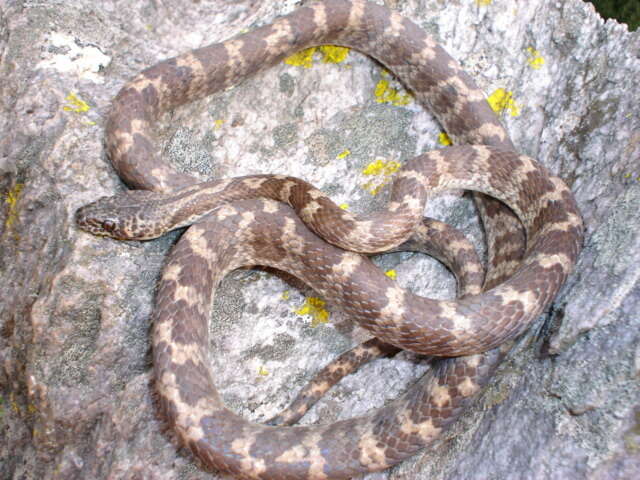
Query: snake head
[[128, 216]]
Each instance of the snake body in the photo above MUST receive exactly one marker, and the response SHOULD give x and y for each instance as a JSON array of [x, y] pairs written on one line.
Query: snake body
[[521, 279]]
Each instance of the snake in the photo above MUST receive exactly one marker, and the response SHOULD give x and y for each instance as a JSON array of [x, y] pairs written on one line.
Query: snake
[[533, 226]]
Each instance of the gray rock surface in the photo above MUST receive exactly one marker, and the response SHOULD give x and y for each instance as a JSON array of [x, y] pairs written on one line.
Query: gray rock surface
[[75, 401]]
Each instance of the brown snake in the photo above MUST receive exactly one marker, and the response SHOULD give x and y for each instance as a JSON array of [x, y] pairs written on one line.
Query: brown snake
[[520, 281]]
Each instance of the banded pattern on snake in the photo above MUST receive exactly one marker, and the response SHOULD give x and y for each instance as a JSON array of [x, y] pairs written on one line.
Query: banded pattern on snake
[[520, 281]]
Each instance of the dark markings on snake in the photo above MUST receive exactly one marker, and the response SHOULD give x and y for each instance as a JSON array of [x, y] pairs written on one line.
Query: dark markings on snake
[[257, 221]]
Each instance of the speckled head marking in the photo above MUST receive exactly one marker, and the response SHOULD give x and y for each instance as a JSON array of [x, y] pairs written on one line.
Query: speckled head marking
[[242, 222], [128, 216]]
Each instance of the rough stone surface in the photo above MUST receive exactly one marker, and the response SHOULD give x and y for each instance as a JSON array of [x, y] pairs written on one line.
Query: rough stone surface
[[75, 401]]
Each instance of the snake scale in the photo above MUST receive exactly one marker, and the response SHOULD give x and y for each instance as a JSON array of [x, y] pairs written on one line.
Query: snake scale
[[268, 220]]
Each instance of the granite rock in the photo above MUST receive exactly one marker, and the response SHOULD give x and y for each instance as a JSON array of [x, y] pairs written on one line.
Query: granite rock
[[75, 397]]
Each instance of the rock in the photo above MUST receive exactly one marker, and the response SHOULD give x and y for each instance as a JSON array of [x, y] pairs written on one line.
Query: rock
[[74, 347]]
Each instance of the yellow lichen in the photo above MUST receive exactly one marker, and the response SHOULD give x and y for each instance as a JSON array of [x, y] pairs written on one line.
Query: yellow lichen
[[443, 139], [262, 371], [314, 307], [286, 295], [14, 405], [333, 53], [344, 206], [374, 168], [217, 124], [303, 58], [76, 104], [330, 54], [632, 437], [501, 100], [373, 188], [380, 167], [381, 172], [483, 3], [535, 60], [11, 201], [627, 176], [345, 153], [391, 274], [385, 93]]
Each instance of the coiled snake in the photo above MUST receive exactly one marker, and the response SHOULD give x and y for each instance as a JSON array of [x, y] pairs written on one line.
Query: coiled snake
[[249, 226]]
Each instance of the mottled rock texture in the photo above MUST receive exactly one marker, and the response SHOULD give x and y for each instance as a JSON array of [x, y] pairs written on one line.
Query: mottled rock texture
[[75, 401]]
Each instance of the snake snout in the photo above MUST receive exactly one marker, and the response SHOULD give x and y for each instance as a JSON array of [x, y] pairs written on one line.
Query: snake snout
[[96, 221], [82, 218]]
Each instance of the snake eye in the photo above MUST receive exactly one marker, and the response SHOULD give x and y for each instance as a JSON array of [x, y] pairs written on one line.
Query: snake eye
[[109, 225]]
